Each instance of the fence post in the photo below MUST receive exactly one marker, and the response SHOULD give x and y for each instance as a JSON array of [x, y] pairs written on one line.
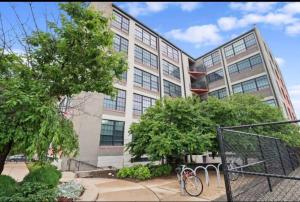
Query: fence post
[[224, 164], [284, 172], [287, 149], [265, 165]]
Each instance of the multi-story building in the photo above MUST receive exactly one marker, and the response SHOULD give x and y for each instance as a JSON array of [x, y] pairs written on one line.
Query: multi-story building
[[158, 68]]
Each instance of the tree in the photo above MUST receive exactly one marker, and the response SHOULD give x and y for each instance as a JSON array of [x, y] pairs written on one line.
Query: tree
[[170, 129], [179, 126], [75, 55]]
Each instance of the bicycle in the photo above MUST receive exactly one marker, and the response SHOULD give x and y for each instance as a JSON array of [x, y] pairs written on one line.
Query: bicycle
[[191, 183]]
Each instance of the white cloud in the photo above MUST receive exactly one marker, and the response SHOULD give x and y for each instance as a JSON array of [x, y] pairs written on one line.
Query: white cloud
[[144, 8], [227, 23], [258, 7], [291, 8], [294, 93], [280, 61], [276, 19], [198, 35], [189, 6], [293, 29]]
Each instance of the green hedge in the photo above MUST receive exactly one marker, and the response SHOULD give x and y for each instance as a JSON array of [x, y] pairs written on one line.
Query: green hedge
[[46, 174], [8, 185], [32, 192], [142, 172]]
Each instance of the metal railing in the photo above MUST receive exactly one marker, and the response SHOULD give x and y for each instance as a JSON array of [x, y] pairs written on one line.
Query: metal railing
[[265, 168]]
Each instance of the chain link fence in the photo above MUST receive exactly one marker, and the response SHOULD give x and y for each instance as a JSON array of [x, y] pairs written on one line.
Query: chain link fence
[[258, 167]]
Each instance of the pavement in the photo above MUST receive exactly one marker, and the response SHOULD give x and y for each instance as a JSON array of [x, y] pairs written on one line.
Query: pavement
[[104, 189], [17, 170]]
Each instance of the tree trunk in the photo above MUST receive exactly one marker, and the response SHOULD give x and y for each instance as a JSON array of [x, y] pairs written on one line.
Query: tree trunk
[[3, 154]]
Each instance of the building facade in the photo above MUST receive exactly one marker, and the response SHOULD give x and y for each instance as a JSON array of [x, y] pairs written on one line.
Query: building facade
[[158, 68]]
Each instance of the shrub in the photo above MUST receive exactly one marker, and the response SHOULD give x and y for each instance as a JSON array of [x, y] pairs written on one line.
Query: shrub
[[33, 192], [160, 170], [70, 190], [142, 173], [48, 175], [8, 185], [139, 172]]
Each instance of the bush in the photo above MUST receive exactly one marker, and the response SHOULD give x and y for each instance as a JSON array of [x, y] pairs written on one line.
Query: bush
[[35, 165], [47, 175], [32, 191], [160, 170], [8, 185], [142, 173], [139, 172]]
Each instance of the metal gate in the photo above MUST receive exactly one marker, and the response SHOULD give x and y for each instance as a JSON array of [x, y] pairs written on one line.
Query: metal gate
[[258, 167]]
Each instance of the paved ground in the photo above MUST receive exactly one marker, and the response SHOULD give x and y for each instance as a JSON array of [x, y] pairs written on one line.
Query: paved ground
[[15, 170], [161, 189], [103, 189]]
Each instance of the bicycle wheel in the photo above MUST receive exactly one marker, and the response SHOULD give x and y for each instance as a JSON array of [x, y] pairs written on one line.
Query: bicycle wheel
[[193, 185]]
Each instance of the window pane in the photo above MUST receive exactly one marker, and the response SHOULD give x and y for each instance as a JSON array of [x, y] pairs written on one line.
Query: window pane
[[262, 82], [245, 64], [233, 69], [250, 40], [215, 76], [112, 132], [237, 88], [228, 51], [249, 86], [239, 47], [255, 60], [172, 89], [141, 103]]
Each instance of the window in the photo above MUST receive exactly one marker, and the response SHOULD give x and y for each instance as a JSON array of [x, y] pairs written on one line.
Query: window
[[120, 22], [248, 63], [120, 44], [251, 85], [141, 103], [145, 57], [221, 93], [240, 46], [215, 76], [171, 69], [118, 103], [172, 89], [169, 51], [270, 102], [145, 37], [212, 59], [112, 133], [145, 80]]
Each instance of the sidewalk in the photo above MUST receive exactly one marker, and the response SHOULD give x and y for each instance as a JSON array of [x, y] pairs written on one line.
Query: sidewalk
[[16, 170]]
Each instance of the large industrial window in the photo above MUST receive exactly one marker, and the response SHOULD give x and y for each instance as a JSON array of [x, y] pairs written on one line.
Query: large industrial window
[[141, 103], [270, 102], [145, 37], [240, 46], [120, 22], [251, 85], [145, 80], [172, 89], [117, 103], [171, 69], [145, 57], [212, 59], [221, 93], [215, 76], [112, 133], [169, 51], [120, 44], [248, 63]]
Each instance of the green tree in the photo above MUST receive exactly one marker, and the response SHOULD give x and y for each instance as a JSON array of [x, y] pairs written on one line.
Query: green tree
[[175, 127], [75, 55], [170, 129]]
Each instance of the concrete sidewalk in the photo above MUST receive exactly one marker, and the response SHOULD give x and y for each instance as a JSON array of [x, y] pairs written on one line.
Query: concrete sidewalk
[[16, 170], [160, 189]]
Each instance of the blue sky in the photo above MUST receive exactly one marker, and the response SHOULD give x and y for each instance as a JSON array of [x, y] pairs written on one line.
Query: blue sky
[[199, 27]]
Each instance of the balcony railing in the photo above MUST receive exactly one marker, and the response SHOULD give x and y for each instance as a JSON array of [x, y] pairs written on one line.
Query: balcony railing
[[198, 68], [199, 85]]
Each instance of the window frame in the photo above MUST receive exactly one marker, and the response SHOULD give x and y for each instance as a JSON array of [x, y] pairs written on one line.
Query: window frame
[[172, 88], [113, 136], [117, 103], [142, 109], [152, 87], [152, 60]]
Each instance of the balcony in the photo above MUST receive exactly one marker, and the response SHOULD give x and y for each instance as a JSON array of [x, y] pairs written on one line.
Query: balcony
[[197, 71], [199, 86]]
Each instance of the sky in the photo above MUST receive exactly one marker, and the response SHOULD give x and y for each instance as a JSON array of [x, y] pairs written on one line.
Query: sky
[[199, 27]]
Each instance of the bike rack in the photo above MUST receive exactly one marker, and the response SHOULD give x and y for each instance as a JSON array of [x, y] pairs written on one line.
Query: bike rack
[[205, 171]]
